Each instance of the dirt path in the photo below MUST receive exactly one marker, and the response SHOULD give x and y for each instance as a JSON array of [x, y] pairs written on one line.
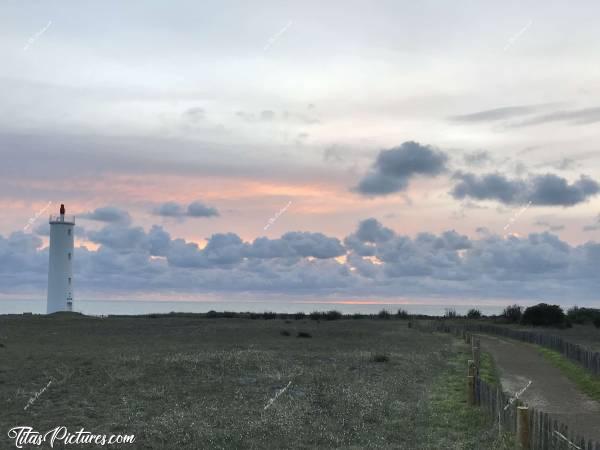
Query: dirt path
[[550, 390]]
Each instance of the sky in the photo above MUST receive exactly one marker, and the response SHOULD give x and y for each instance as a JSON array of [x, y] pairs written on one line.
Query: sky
[[355, 150]]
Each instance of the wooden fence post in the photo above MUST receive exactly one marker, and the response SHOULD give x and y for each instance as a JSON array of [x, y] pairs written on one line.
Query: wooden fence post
[[471, 390], [523, 427], [476, 353], [471, 368]]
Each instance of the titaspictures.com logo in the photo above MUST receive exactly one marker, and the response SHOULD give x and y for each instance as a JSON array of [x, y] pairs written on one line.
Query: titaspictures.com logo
[[28, 436]]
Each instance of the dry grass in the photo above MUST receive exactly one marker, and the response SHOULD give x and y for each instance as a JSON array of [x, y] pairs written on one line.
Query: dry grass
[[204, 383]]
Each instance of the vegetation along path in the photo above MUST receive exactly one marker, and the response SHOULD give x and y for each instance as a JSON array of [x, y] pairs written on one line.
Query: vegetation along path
[[550, 391]]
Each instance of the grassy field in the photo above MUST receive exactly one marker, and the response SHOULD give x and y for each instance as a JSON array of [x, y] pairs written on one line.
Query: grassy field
[[185, 382]]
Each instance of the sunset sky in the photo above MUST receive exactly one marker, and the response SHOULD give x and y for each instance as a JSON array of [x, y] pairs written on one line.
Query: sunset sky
[[355, 149]]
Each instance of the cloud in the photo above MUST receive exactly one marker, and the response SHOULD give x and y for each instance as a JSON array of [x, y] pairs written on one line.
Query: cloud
[[595, 226], [549, 226], [394, 168], [378, 262], [108, 214], [574, 117], [547, 190], [195, 114], [169, 209], [477, 158], [194, 209], [497, 113], [199, 209]]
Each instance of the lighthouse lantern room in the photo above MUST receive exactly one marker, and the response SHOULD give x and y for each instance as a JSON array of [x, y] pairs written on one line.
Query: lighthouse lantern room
[[60, 266]]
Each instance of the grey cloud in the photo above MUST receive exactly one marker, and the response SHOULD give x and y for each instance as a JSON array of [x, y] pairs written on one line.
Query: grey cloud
[[302, 263], [199, 209], [593, 227], [548, 189], [477, 158], [108, 214], [549, 226], [497, 113], [195, 114], [194, 209], [574, 117], [394, 168]]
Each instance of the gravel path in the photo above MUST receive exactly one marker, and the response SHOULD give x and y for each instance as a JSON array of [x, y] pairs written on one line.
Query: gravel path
[[550, 390]]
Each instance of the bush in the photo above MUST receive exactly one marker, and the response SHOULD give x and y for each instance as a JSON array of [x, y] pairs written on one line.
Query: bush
[[333, 315], [358, 316], [383, 314], [583, 315], [304, 334], [597, 322], [380, 357], [316, 315], [285, 333], [268, 315], [513, 313], [450, 313], [402, 314], [474, 314], [229, 314], [543, 314], [212, 314], [299, 316]]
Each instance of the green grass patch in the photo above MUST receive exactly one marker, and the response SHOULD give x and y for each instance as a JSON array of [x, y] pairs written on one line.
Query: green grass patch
[[584, 380], [451, 422], [487, 369]]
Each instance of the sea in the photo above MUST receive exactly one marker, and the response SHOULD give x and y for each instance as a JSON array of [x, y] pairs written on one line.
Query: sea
[[140, 307]]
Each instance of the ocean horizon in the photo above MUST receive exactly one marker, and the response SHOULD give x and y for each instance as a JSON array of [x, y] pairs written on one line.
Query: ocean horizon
[[140, 307]]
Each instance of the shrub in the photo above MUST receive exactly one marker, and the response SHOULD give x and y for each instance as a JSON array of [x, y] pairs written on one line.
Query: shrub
[[402, 314], [383, 314], [513, 313], [380, 357], [285, 333], [450, 313], [474, 314], [229, 314], [268, 315], [304, 334], [358, 316], [254, 315], [583, 315], [316, 315], [333, 315], [543, 314], [597, 322], [299, 316], [212, 314]]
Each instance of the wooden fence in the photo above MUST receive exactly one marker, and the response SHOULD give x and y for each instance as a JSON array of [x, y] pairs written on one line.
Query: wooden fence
[[585, 357], [541, 431]]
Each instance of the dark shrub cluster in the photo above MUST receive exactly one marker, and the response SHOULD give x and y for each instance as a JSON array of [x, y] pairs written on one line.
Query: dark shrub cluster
[[304, 334], [299, 316], [269, 315], [383, 314], [450, 313], [583, 315], [402, 314], [474, 314], [543, 314], [513, 313], [285, 333]]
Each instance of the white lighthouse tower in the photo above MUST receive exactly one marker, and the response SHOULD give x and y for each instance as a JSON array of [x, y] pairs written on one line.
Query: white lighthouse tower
[[60, 267]]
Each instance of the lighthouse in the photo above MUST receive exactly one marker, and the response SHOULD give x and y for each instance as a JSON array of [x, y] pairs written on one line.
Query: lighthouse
[[60, 266]]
